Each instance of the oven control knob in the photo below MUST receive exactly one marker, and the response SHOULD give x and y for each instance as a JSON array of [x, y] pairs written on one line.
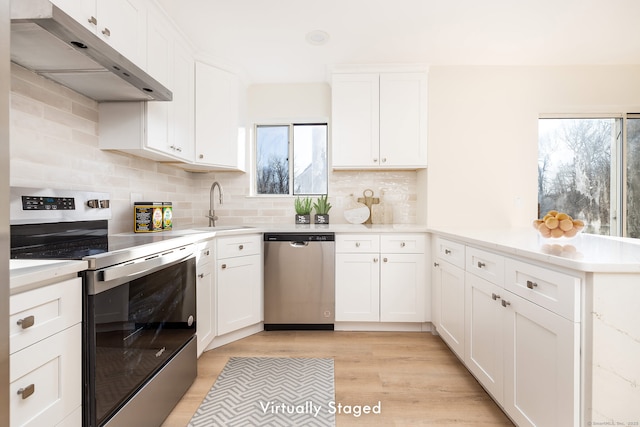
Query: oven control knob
[[93, 203], [190, 320]]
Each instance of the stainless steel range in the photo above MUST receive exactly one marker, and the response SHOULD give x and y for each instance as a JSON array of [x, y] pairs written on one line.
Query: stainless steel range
[[139, 303]]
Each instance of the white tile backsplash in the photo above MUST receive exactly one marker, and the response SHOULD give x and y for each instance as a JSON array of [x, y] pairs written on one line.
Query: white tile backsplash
[[54, 143]]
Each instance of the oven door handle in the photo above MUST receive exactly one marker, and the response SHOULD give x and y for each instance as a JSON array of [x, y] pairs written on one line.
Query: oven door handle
[[145, 265]]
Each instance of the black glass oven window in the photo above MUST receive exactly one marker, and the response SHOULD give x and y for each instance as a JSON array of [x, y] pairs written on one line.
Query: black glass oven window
[[137, 327]]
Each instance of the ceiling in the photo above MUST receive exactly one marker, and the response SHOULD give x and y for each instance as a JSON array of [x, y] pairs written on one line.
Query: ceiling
[[265, 39]]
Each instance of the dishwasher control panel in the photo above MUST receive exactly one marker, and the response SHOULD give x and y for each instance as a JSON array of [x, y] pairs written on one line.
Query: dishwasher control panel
[[299, 237]]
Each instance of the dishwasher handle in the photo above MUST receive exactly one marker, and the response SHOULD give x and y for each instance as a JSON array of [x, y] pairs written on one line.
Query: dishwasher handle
[[298, 244]]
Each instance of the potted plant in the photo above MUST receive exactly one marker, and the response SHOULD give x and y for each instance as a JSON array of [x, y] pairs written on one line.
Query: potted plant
[[322, 206], [303, 210]]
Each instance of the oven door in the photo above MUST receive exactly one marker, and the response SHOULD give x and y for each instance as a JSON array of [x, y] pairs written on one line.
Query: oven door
[[138, 315]]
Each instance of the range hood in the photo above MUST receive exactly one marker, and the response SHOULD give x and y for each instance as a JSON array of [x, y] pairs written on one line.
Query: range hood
[[49, 42]]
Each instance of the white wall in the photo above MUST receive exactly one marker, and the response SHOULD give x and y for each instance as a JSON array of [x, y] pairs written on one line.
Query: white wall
[[483, 134]]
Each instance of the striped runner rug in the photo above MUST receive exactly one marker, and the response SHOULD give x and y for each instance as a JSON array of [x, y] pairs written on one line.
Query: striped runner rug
[[265, 391]]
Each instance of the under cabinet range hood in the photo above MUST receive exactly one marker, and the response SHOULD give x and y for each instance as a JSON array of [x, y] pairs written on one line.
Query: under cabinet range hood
[[49, 42]]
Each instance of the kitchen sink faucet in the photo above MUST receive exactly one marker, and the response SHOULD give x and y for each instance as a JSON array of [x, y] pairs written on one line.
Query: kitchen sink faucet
[[212, 213]]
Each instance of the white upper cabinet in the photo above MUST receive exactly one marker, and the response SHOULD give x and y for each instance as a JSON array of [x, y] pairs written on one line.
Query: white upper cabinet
[[220, 132], [379, 120], [121, 23]]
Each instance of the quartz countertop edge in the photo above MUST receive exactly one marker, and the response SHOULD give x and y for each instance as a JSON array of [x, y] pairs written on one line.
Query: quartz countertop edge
[[26, 274], [585, 252]]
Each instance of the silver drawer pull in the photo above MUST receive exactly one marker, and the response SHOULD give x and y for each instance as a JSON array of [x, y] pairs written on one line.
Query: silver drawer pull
[[435, 264], [505, 303], [481, 264], [223, 266], [201, 276], [240, 247], [375, 260], [27, 391], [106, 32], [402, 245], [93, 20], [206, 253], [495, 296], [385, 259], [357, 244], [27, 322], [447, 252], [531, 284]]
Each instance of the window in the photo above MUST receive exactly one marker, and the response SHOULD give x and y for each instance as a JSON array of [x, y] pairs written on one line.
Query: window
[[590, 168], [306, 145]]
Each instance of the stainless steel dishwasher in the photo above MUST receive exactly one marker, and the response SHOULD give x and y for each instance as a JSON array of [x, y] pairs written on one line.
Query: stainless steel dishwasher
[[299, 283]]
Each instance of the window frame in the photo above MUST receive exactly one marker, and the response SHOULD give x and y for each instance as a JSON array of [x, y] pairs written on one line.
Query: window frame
[[290, 152]]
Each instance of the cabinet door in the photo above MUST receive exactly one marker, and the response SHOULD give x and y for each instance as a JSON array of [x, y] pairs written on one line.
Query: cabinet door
[[357, 287], [217, 117], [450, 283], [355, 120], [182, 107], [403, 119], [83, 11], [402, 288], [542, 365], [483, 333], [239, 293], [122, 24], [206, 304]]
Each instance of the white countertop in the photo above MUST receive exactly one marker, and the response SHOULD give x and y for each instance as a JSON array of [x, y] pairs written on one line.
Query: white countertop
[[585, 252], [27, 274]]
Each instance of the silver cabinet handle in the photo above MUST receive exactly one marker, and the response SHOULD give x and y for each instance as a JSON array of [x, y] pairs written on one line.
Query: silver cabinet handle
[[531, 284], [384, 160], [375, 260], [495, 296], [27, 322], [435, 264], [241, 247], [447, 252], [402, 244], [375, 160], [27, 391], [201, 276], [505, 303], [206, 253], [385, 259], [106, 32], [223, 266], [481, 264], [93, 20], [357, 244], [201, 156]]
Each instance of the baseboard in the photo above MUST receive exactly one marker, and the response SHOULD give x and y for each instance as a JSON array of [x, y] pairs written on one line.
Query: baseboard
[[235, 336]]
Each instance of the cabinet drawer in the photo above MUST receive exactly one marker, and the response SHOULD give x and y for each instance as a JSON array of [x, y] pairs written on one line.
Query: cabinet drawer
[[205, 252], [555, 291], [52, 370], [449, 251], [233, 246], [403, 243], [357, 243], [484, 264], [40, 313]]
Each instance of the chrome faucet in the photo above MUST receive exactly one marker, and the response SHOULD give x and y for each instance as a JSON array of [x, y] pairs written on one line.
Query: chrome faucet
[[212, 213]]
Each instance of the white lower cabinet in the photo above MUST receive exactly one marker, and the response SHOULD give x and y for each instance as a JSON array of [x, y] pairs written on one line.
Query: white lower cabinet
[[524, 353], [381, 278], [448, 304], [542, 365], [45, 375], [484, 319], [239, 284], [205, 295]]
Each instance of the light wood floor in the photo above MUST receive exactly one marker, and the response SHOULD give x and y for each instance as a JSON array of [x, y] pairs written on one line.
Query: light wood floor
[[417, 379]]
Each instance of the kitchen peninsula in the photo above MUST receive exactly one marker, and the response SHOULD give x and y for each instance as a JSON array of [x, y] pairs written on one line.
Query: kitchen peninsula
[[548, 326]]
